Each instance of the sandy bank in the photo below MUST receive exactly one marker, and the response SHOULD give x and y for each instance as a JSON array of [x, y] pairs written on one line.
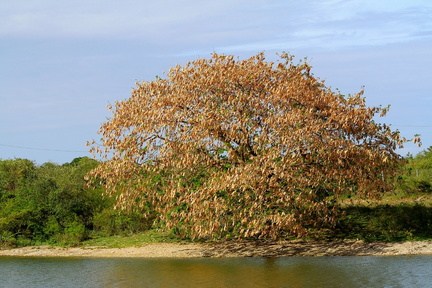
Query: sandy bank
[[233, 249]]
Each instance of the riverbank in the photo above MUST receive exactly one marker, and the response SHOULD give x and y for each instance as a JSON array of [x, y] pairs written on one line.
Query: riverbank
[[233, 249]]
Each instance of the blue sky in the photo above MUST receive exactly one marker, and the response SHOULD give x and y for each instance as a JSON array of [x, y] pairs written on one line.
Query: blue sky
[[62, 62]]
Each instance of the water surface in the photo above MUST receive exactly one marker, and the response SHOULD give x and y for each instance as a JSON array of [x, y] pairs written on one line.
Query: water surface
[[343, 271]]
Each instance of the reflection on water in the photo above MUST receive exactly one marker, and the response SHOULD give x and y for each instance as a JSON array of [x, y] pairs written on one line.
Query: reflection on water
[[412, 271]]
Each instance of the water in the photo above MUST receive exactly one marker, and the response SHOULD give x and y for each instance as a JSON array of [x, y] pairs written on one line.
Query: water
[[407, 271]]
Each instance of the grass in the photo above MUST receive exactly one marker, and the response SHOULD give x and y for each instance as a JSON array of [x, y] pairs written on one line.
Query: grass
[[395, 217], [133, 240]]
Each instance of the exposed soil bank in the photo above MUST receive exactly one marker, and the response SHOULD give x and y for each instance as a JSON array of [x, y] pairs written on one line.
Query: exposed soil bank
[[233, 249]]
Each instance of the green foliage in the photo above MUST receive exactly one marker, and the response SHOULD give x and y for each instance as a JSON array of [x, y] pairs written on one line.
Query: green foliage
[[51, 204], [110, 222], [417, 176], [400, 222]]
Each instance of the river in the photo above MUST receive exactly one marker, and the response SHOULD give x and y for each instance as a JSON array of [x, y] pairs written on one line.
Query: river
[[340, 271]]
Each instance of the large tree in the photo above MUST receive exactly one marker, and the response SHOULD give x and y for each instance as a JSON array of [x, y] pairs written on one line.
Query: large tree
[[243, 148]]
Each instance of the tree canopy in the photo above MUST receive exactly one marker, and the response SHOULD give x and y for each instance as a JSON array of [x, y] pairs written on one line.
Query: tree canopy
[[243, 148]]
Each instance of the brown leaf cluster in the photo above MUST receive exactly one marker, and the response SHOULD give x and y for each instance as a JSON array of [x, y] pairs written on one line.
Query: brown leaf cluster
[[243, 148]]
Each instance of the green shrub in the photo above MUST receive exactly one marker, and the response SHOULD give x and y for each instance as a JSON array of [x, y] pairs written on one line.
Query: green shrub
[[111, 222], [73, 234]]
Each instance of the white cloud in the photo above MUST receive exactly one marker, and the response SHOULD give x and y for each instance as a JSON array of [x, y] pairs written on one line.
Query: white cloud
[[49, 18], [226, 25], [336, 24]]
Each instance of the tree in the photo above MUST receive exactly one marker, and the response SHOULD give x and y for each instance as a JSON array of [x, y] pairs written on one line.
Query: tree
[[243, 148]]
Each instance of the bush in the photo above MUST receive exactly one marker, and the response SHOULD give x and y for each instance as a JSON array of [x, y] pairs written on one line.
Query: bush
[[111, 222], [73, 234]]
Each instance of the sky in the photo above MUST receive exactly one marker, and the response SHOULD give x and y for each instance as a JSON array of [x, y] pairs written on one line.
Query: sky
[[62, 62]]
